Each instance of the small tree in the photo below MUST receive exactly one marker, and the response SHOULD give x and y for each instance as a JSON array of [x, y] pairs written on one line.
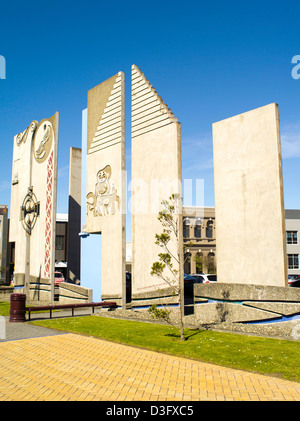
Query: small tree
[[169, 267]]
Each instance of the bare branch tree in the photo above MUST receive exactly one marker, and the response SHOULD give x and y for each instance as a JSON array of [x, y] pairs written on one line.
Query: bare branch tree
[[169, 267]]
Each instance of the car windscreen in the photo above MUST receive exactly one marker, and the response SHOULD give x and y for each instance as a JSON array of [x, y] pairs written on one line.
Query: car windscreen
[[212, 277], [199, 278]]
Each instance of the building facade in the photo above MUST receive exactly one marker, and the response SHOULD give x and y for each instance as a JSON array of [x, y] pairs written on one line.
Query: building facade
[[199, 240], [292, 225], [61, 244]]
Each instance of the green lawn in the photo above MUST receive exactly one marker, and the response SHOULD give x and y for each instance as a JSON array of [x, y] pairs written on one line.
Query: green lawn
[[4, 308], [263, 355]]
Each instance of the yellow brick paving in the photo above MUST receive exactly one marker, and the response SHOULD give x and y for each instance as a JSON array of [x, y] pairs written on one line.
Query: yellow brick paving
[[80, 368]]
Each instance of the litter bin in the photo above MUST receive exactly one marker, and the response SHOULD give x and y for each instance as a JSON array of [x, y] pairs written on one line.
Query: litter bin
[[17, 308]]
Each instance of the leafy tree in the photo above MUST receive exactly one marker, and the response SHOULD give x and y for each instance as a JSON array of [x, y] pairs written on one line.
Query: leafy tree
[[169, 267]]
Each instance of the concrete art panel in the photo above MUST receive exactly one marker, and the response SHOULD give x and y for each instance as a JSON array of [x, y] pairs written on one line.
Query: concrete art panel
[[33, 207], [156, 175], [249, 202], [105, 182]]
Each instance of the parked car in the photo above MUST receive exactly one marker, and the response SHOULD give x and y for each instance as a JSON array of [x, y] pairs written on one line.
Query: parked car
[[188, 278], [295, 283], [205, 278], [59, 277], [199, 279], [292, 278]]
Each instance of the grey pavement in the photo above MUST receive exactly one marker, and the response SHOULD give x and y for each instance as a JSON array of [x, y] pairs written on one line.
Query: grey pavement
[[24, 330]]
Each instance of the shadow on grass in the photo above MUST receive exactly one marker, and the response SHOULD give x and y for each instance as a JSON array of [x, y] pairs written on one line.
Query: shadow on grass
[[186, 335]]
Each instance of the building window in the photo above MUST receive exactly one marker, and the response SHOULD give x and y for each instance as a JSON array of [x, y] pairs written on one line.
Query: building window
[[198, 230], [199, 262], [60, 242], [211, 268], [209, 229], [186, 228], [293, 261], [292, 237]]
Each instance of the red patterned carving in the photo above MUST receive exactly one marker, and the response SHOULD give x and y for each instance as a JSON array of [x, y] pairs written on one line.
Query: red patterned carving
[[48, 229]]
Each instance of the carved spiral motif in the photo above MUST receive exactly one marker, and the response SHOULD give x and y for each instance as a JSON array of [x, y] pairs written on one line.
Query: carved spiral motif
[[22, 137], [29, 211]]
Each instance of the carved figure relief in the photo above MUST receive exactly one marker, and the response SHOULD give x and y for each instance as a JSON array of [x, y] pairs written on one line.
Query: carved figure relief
[[104, 200], [43, 141]]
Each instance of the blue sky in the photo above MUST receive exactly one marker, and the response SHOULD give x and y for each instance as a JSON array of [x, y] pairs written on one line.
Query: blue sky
[[207, 60]]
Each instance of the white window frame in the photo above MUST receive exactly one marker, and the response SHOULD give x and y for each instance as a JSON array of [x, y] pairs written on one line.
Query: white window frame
[[291, 232], [293, 257]]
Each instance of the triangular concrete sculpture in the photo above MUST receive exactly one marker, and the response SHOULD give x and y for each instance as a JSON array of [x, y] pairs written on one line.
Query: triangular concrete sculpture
[[106, 182], [156, 174]]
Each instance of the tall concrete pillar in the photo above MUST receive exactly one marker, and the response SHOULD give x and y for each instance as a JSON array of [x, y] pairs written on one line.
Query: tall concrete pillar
[[74, 224], [156, 175], [33, 207], [249, 203]]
